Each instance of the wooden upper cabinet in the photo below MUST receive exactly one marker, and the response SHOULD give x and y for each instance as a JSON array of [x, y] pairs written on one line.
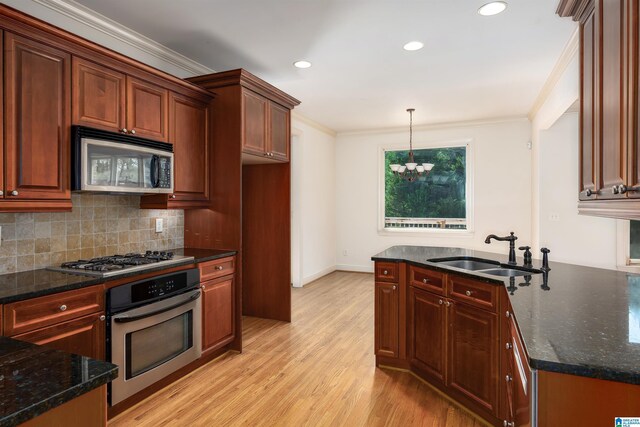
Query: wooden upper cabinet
[[589, 136], [99, 95], [612, 144], [2, 188], [279, 132], [147, 109], [37, 107], [254, 120]]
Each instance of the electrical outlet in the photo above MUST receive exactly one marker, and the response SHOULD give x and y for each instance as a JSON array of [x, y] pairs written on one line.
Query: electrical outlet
[[159, 224], [345, 253], [555, 217]]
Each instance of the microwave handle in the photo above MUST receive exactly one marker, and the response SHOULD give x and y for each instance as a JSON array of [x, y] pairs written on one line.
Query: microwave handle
[[155, 171]]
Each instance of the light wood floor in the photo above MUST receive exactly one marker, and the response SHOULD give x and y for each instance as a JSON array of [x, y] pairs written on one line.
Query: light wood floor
[[318, 370]]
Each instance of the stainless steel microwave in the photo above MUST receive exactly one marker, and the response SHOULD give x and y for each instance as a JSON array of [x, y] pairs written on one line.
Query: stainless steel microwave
[[111, 162]]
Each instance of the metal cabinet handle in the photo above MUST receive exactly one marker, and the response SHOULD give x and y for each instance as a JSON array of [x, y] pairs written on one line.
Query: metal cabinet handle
[[132, 132], [509, 346], [14, 193], [615, 189], [102, 318], [394, 287], [589, 192], [468, 293], [425, 280], [622, 189], [440, 301], [123, 130], [508, 314], [508, 378], [1, 193], [509, 423], [385, 272], [202, 287], [63, 307], [447, 303], [219, 268]]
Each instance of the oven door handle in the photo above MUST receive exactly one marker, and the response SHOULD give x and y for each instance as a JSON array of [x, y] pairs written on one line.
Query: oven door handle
[[126, 319]]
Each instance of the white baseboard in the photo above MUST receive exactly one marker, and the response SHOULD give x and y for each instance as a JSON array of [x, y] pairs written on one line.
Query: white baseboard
[[319, 274], [356, 268]]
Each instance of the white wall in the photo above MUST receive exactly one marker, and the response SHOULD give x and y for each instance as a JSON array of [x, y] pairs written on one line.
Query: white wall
[[314, 221], [572, 238], [502, 182]]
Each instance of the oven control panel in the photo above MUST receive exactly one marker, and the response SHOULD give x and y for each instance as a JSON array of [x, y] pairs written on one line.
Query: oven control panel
[[143, 291]]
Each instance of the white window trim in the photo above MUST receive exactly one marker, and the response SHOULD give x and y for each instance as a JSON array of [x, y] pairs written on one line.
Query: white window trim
[[623, 230], [469, 189]]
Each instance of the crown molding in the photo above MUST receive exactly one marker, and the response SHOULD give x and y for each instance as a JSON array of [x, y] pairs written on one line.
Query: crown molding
[[437, 126], [569, 52], [111, 28], [312, 123]]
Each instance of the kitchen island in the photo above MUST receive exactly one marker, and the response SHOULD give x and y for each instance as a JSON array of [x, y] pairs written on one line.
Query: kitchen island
[[578, 327], [40, 386]]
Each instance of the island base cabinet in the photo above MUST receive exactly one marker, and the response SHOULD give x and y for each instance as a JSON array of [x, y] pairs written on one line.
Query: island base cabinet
[[427, 334], [386, 319], [87, 410], [473, 355]]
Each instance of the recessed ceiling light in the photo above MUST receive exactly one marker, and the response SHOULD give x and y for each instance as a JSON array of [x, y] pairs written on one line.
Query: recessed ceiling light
[[414, 45], [302, 64], [493, 8]]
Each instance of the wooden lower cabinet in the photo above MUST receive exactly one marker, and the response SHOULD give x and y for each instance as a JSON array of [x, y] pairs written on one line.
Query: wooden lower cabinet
[[84, 336], [386, 319], [86, 410], [473, 358], [218, 313], [427, 334]]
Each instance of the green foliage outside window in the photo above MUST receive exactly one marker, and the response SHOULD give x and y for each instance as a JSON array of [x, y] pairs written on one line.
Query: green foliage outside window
[[439, 195]]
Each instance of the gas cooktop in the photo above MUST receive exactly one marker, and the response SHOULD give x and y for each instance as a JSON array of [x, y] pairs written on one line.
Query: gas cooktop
[[114, 265]]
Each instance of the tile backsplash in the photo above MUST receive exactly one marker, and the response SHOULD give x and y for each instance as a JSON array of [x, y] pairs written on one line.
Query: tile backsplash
[[98, 225]]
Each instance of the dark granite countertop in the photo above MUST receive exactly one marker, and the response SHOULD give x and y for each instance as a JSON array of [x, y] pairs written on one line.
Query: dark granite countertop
[[576, 320], [35, 379], [35, 283]]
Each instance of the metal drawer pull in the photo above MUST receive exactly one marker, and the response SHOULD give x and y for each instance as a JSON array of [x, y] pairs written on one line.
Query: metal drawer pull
[[508, 378], [508, 314], [394, 287], [468, 293], [425, 280], [447, 303], [102, 317], [133, 132], [440, 302], [219, 267], [385, 272], [63, 307], [509, 346], [509, 424], [14, 193]]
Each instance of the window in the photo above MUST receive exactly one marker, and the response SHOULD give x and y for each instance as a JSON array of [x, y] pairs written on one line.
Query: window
[[435, 202]]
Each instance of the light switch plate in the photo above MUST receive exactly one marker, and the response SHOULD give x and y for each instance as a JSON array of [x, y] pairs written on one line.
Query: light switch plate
[[159, 225]]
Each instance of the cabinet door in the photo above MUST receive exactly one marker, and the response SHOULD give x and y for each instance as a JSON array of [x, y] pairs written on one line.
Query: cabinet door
[[473, 355], [427, 333], [613, 150], [254, 121], [98, 96], [147, 106], [589, 130], [386, 319], [84, 336], [279, 132], [188, 121], [2, 188], [633, 128], [37, 119], [218, 313]]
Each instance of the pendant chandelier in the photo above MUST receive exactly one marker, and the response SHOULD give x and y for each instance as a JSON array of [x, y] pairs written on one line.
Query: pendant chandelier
[[410, 171]]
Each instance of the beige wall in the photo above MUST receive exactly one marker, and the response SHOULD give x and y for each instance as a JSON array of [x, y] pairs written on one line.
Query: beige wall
[[98, 225]]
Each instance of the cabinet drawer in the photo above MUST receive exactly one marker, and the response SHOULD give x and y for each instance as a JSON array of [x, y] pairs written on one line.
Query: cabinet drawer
[[387, 271], [479, 294], [31, 314], [218, 268], [429, 280]]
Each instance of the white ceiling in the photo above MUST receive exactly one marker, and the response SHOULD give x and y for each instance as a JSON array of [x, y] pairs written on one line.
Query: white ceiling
[[471, 68]]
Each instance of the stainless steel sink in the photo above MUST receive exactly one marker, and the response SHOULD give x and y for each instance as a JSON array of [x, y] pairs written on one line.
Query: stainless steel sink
[[484, 266], [467, 264], [507, 272]]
